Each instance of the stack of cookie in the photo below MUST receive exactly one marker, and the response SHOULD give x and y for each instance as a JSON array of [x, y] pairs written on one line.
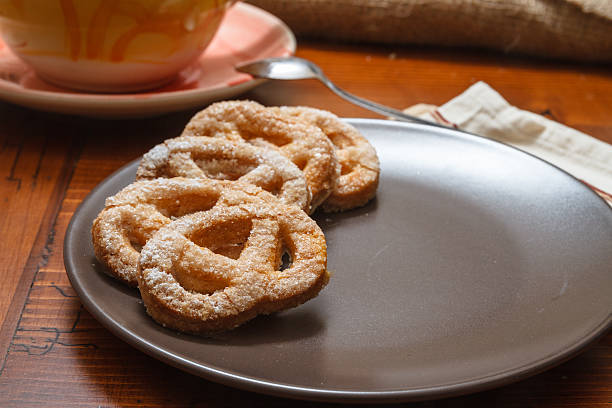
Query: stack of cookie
[[215, 229]]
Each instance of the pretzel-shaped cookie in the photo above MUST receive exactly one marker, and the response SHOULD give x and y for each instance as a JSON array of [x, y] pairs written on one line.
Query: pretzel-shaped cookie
[[359, 163], [304, 144], [214, 270], [207, 157], [134, 214]]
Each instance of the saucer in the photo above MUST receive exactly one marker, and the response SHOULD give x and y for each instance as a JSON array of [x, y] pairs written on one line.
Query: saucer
[[247, 33]]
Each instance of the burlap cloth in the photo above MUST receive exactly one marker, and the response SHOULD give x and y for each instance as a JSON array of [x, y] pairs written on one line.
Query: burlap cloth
[[569, 29]]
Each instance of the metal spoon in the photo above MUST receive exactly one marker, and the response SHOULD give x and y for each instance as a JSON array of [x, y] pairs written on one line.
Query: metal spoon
[[290, 68]]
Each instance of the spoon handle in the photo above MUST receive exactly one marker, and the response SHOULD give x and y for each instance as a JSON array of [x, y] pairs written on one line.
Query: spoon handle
[[375, 107]]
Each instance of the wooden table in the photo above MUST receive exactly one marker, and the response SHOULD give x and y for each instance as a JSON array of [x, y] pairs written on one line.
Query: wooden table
[[54, 354]]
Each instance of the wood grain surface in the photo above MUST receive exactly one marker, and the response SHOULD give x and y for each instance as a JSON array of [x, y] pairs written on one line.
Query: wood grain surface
[[54, 354]]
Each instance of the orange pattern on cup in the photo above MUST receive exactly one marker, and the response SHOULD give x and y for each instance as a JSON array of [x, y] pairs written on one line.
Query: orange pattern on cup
[[72, 28], [171, 24], [98, 27], [18, 4]]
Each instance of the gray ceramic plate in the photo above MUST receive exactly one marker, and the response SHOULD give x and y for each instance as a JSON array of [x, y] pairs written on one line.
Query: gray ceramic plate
[[476, 265]]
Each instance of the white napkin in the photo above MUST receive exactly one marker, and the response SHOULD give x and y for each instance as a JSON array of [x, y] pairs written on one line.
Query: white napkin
[[483, 111]]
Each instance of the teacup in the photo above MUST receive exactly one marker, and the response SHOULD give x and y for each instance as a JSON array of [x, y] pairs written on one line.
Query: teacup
[[109, 45]]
